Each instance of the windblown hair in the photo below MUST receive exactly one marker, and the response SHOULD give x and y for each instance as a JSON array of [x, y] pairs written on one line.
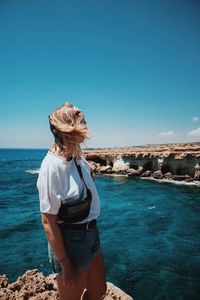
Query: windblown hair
[[67, 123]]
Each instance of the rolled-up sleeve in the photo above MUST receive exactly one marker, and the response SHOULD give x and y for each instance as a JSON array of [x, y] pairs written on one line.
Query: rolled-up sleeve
[[48, 188]]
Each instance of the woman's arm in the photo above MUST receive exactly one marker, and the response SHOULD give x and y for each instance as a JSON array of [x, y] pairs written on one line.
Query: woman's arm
[[55, 239]]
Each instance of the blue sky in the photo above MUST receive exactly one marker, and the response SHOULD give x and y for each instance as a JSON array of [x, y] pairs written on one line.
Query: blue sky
[[133, 68]]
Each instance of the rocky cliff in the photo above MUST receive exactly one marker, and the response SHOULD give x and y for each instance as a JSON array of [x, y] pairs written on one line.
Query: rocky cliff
[[33, 285], [169, 161]]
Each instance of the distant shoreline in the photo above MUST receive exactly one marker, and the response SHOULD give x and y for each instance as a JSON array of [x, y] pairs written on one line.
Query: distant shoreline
[[107, 148], [171, 163]]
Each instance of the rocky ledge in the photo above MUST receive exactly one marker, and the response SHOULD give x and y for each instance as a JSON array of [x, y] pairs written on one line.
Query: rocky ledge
[[33, 285], [180, 162]]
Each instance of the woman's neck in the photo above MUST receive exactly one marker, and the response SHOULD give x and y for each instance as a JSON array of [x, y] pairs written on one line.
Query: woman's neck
[[56, 150]]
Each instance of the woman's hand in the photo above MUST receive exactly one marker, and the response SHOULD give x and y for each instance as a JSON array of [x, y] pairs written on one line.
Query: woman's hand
[[69, 274]]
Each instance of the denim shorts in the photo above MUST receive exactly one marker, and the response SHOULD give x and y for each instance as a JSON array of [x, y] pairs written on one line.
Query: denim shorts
[[81, 246]]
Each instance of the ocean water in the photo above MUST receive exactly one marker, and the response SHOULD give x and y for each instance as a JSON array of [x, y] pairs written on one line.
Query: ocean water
[[149, 230]]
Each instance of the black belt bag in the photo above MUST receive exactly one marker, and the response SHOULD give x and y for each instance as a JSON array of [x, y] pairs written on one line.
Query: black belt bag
[[75, 212]]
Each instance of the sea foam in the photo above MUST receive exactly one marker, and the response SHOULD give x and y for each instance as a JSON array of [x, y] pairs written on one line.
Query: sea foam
[[33, 171], [193, 183]]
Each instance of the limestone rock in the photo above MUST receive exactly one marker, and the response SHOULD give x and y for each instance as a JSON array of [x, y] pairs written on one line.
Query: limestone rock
[[116, 293], [179, 158], [6, 294], [157, 174], [112, 293], [93, 165], [168, 175], [133, 173], [3, 281], [33, 285], [197, 175], [105, 169], [179, 177], [188, 178], [147, 173]]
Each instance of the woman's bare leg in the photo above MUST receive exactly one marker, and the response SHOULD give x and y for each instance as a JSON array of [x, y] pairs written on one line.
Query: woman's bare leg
[[96, 284], [67, 292]]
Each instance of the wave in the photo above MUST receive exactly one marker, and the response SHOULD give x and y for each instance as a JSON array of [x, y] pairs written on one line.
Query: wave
[[33, 171], [151, 207], [193, 183]]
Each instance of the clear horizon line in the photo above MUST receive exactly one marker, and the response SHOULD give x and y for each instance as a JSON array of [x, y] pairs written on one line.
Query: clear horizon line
[[113, 147]]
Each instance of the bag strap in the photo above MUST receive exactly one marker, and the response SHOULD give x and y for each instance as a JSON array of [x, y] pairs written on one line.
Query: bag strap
[[80, 172]]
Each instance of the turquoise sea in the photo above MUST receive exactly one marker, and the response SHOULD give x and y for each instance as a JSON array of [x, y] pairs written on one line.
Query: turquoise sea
[[150, 231]]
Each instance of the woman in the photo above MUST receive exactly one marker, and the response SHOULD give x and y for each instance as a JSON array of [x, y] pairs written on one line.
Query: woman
[[73, 248]]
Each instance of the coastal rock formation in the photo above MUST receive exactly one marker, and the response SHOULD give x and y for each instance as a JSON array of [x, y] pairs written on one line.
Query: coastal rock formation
[[171, 161], [33, 285], [197, 175], [157, 174]]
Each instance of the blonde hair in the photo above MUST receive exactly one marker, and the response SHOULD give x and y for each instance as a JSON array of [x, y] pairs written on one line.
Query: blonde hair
[[67, 123]]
